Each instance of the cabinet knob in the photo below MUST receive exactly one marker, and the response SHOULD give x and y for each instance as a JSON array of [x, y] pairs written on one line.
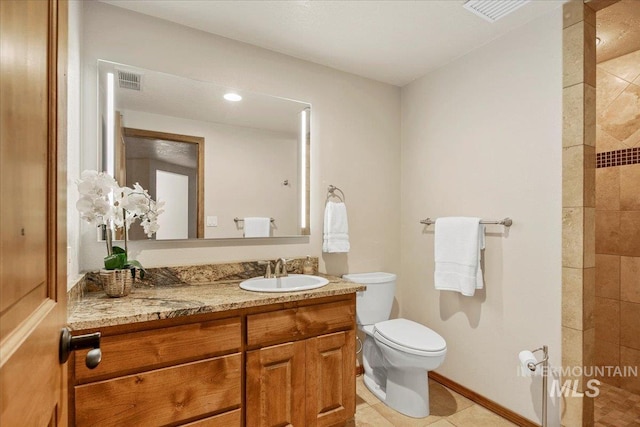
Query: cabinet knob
[[69, 343]]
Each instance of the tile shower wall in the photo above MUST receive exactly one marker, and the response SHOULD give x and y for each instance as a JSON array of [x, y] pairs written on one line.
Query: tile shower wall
[[617, 310]]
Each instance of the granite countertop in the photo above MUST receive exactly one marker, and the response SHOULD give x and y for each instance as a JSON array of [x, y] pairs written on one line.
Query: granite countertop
[[96, 310]]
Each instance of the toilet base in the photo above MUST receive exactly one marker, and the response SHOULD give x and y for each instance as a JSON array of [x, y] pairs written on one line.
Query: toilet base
[[408, 395], [408, 392], [374, 388]]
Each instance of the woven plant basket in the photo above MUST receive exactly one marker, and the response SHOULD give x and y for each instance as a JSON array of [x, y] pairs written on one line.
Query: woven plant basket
[[116, 283]]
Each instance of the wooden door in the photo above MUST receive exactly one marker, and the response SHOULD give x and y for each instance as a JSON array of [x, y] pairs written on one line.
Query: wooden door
[[32, 205], [331, 380], [275, 386]]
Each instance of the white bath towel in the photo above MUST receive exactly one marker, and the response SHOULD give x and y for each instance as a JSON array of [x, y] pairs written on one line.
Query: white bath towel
[[336, 228], [458, 245], [257, 226]]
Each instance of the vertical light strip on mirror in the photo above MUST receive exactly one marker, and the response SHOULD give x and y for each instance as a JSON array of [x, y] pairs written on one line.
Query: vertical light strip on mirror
[[109, 164], [110, 151], [303, 169]]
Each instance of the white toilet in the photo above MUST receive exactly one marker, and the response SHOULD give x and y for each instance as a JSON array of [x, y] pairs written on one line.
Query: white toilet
[[396, 353]]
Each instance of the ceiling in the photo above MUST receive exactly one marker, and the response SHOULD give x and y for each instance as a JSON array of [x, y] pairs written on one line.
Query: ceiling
[[618, 26], [174, 152], [394, 42]]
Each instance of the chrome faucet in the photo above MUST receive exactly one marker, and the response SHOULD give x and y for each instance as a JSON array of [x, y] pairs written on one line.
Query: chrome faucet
[[282, 272]]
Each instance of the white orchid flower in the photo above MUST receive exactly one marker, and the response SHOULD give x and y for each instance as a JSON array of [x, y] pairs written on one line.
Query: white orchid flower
[[103, 202]]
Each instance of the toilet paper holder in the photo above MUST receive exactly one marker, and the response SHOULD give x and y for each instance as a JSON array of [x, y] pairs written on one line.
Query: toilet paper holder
[[545, 358], [532, 366]]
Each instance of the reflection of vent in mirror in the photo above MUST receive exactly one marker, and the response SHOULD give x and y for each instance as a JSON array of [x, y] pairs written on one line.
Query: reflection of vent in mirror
[[129, 80]]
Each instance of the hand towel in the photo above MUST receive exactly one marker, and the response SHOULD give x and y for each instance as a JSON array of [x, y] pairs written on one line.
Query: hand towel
[[458, 245], [257, 227], [336, 228]]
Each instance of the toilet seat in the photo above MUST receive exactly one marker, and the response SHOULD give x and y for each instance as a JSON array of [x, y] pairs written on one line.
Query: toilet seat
[[410, 337]]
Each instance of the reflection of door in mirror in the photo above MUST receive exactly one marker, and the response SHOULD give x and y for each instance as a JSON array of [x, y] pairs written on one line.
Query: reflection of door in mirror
[[171, 167]]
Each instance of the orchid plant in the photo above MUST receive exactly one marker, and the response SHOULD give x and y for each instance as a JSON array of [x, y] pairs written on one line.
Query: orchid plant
[[103, 202]]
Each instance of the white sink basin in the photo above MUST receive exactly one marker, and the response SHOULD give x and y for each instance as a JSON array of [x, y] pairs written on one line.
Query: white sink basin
[[290, 283]]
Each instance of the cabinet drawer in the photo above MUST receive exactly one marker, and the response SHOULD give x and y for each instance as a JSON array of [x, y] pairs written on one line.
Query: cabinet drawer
[[227, 419], [301, 322], [162, 396], [145, 350]]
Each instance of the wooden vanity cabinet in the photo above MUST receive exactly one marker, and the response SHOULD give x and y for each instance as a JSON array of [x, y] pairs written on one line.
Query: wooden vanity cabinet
[[307, 382], [286, 364]]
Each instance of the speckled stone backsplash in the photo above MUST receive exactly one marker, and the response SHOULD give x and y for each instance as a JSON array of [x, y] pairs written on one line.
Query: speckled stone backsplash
[[190, 274]]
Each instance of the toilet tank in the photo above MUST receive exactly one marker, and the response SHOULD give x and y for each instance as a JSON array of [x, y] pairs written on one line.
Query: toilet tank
[[374, 304]]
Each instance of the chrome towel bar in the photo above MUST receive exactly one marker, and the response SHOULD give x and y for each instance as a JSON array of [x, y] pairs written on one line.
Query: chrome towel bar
[[506, 222], [236, 219]]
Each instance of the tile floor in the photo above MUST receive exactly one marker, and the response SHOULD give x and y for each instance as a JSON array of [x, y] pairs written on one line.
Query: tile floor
[[448, 409], [615, 407]]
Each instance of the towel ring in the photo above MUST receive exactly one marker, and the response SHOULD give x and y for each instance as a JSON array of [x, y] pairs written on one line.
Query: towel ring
[[331, 192]]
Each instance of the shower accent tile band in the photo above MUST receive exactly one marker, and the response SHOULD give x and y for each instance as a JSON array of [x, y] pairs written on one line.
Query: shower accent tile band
[[626, 156]]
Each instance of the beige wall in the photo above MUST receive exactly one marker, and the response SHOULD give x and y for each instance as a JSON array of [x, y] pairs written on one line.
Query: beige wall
[[355, 132], [481, 136]]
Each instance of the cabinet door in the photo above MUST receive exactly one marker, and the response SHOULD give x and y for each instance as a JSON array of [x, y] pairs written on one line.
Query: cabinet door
[[331, 382], [275, 386]]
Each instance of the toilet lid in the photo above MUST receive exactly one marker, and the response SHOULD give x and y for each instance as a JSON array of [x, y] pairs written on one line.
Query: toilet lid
[[412, 335]]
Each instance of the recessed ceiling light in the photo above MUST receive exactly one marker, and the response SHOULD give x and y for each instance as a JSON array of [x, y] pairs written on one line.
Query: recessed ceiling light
[[598, 41], [232, 97]]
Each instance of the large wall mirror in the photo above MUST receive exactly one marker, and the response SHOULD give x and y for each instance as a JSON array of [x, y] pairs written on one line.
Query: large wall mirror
[[213, 154]]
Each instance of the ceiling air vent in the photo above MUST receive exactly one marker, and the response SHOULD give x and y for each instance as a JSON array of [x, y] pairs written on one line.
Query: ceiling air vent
[[492, 10], [129, 80]]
